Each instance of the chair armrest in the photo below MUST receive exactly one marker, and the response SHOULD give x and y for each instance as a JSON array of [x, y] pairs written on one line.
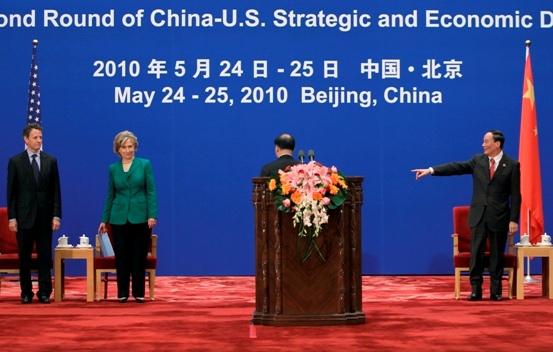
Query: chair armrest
[[455, 244], [511, 243], [154, 246], [97, 252]]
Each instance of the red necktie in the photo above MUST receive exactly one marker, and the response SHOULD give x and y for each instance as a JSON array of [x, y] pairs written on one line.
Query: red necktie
[[492, 167]]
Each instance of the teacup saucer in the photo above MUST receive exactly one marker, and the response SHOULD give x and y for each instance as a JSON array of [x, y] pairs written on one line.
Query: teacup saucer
[[522, 245], [84, 245], [545, 244], [67, 246]]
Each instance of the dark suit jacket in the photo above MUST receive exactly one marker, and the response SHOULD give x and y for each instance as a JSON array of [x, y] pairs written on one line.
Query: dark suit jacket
[[279, 164], [131, 195], [499, 198], [26, 198]]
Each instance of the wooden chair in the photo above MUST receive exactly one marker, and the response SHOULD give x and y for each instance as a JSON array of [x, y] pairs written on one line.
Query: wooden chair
[[461, 251], [9, 257], [103, 266]]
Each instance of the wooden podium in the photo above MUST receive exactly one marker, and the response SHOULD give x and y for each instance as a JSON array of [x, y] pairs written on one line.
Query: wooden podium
[[316, 292]]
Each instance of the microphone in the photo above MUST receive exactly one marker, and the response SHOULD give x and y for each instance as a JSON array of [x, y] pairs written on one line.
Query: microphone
[[311, 155], [301, 155]]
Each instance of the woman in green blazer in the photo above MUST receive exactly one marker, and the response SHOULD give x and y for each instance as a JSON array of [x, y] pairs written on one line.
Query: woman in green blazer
[[131, 211]]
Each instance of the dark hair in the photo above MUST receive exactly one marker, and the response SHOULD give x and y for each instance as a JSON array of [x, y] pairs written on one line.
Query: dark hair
[[32, 126], [498, 137], [285, 141]]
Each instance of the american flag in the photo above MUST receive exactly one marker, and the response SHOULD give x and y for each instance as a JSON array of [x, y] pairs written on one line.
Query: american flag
[[33, 107]]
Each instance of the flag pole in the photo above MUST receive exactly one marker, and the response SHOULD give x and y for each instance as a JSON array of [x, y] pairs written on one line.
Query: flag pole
[[529, 279], [33, 104]]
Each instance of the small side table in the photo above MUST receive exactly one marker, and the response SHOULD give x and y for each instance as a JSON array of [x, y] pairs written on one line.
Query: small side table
[[60, 254], [546, 252]]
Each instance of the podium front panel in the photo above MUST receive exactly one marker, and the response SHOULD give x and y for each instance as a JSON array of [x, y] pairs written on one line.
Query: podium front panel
[[316, 291]]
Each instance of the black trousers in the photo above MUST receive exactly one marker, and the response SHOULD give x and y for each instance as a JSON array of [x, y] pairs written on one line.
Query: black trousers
[[41, 234], [131, 242], [498, 240]]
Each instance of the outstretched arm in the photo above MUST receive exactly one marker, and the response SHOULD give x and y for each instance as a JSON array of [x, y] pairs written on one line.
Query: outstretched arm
[[421, 172]]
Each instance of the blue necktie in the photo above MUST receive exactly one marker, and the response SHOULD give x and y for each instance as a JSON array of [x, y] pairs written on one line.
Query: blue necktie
[[36, 171]]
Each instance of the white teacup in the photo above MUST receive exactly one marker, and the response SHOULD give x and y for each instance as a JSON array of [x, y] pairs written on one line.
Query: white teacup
[[525, 240], [62, 241], [545, 239], [84, 240]]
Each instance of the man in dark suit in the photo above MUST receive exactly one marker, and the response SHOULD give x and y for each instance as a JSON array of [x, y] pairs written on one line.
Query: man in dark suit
[[34, 211], [284, 147], [494, 209]]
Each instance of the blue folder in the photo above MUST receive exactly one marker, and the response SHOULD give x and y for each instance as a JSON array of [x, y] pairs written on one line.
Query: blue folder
[[106, 249]]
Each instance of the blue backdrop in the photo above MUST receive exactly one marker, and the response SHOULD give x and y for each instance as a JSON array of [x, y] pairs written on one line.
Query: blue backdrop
[[250, 70]]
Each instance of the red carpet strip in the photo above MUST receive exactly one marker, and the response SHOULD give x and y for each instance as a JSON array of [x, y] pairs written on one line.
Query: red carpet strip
[[404, 313]]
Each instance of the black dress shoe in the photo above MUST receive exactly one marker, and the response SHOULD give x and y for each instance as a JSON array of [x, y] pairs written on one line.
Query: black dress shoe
[[44, 299], [496, 298], [26, 300], [139, 299], [123, 299], [474, 297]]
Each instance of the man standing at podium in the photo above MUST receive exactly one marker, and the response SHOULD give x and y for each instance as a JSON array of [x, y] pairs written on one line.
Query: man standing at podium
[[284, 147], [494, 209]]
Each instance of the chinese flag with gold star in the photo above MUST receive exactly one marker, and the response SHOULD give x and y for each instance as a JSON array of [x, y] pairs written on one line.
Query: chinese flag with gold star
[[531, 211]]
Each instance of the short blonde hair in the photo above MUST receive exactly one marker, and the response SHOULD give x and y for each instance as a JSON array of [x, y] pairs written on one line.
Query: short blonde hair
[[122, 138]]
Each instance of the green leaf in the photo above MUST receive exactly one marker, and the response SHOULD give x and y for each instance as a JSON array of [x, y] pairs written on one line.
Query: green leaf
[[337, 200]]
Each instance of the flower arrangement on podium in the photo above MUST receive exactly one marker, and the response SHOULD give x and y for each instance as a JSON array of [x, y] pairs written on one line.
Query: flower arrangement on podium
[[308, 190]]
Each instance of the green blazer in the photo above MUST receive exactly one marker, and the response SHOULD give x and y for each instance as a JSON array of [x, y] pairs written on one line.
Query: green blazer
[[131, 195]]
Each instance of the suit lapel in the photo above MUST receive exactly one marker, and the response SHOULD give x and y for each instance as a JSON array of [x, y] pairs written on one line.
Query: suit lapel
[[501, 166], [28, 168], [44, 164], [125, 176], [503, 163], [133, 167]]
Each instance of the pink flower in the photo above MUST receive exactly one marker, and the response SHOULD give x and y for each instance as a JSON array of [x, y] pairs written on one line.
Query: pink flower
[[308, 190]]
